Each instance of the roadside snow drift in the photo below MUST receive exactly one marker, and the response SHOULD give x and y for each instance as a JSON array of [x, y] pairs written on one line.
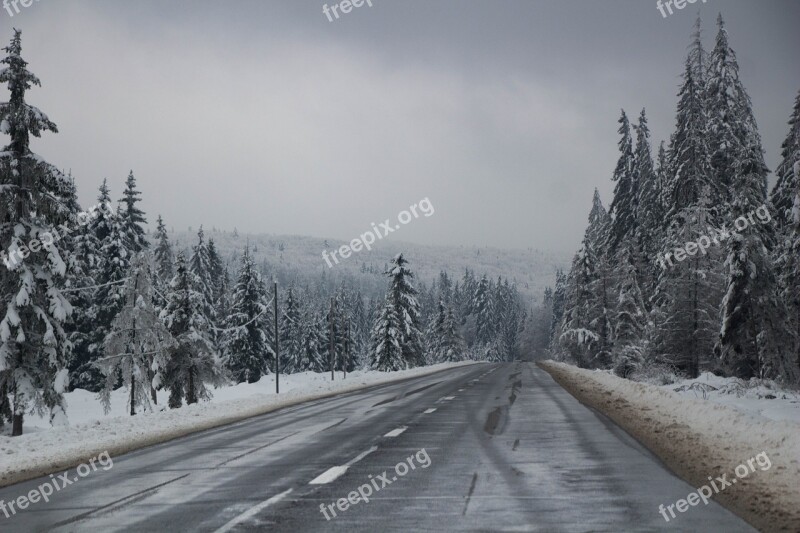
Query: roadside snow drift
[[47, 450], [698, 438]]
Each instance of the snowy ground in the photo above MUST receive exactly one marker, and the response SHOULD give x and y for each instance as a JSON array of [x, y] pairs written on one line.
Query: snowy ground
[[756, 397], [698, 438], [42, 449]]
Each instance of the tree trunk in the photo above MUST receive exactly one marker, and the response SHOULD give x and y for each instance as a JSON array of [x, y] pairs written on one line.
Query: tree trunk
[[190, 396], [150, 376], [16, 424], [133, 393], [18, 416]]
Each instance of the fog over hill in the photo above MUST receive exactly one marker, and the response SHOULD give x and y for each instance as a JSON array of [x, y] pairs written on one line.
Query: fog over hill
[[299, 259]]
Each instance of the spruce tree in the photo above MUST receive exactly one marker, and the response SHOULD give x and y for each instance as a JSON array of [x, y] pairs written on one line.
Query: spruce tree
[[650, 215], [559, 295], [785, 202], [290, 329], [629, 317], [110, 295], [753, 342], [483, 309], [34, 198], [387, 353], [783, 194], [201, 266], [451, 346], [133, 217], [137, 338], [585, 333], [192, 363], [164, 257], [730, 118], [313, 349], [435, 333], [626, 191], [404, 297], [248, 354]]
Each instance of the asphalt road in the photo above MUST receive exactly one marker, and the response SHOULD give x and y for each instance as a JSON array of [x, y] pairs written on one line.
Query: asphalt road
[[484, 448]]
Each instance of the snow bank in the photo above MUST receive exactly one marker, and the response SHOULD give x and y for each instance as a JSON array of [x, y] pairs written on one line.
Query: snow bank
[[43, 450], [697, 438], [757, 397]]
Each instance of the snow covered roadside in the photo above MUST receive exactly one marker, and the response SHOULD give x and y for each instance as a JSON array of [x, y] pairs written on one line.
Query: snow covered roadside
[[697, 438], [45, 451], [758, 397]]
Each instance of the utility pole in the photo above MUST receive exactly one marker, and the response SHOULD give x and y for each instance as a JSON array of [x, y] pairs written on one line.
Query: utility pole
[[331, 344], [277, 338], [347, 349]]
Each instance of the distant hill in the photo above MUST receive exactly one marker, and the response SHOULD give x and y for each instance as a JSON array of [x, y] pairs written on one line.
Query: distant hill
[[299, 259]]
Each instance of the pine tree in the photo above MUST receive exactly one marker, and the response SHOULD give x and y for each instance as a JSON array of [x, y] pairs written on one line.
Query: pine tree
[[313, 354], [730, 118], [559, 296], [101, 224], [624, 206], [110, 295], [290, 329], [216, 271], [783, 194], [585, 332], [483, 309], [137, 338], [192, 363], [789, 263], [689, 293], [629, 319], [164, 257], [201, 266], [86, 261], [248, 354], [435, 332], [753, 341], [650, 215], [387, 353], [785, 202], [689, 166], [403, 295], [34, 198], [133, 217], [451, 346]]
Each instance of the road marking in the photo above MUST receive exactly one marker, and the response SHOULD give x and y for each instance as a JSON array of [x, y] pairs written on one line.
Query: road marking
[[449, 398], [360, 456], [335, 472], [331, 474], [429, 411], [253, 511], [460, 390], [396, 432]]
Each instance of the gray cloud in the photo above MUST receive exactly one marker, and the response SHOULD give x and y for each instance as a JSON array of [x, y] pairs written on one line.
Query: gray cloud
[[267, 117]]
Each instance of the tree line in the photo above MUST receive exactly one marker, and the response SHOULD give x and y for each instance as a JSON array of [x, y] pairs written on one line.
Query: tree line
[[733, 309], [109, 306]]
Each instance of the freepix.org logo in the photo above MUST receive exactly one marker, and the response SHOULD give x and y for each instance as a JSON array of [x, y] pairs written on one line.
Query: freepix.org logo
[[9, 4]]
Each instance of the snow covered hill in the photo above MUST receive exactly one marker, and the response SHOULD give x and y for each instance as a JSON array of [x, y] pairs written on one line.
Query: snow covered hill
[[299, 259]]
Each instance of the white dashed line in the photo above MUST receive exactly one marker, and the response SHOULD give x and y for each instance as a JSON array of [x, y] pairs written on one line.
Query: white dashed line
[[335, 472], [331, 474], [449, 398], [396, 432], [252, 512], [360, 456], [429, 411]]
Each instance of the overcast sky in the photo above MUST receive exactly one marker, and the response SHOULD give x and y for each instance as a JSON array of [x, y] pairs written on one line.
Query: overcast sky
[[265, 116]]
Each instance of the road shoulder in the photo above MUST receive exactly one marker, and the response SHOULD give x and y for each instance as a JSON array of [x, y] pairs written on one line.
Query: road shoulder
[[696, 439]]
